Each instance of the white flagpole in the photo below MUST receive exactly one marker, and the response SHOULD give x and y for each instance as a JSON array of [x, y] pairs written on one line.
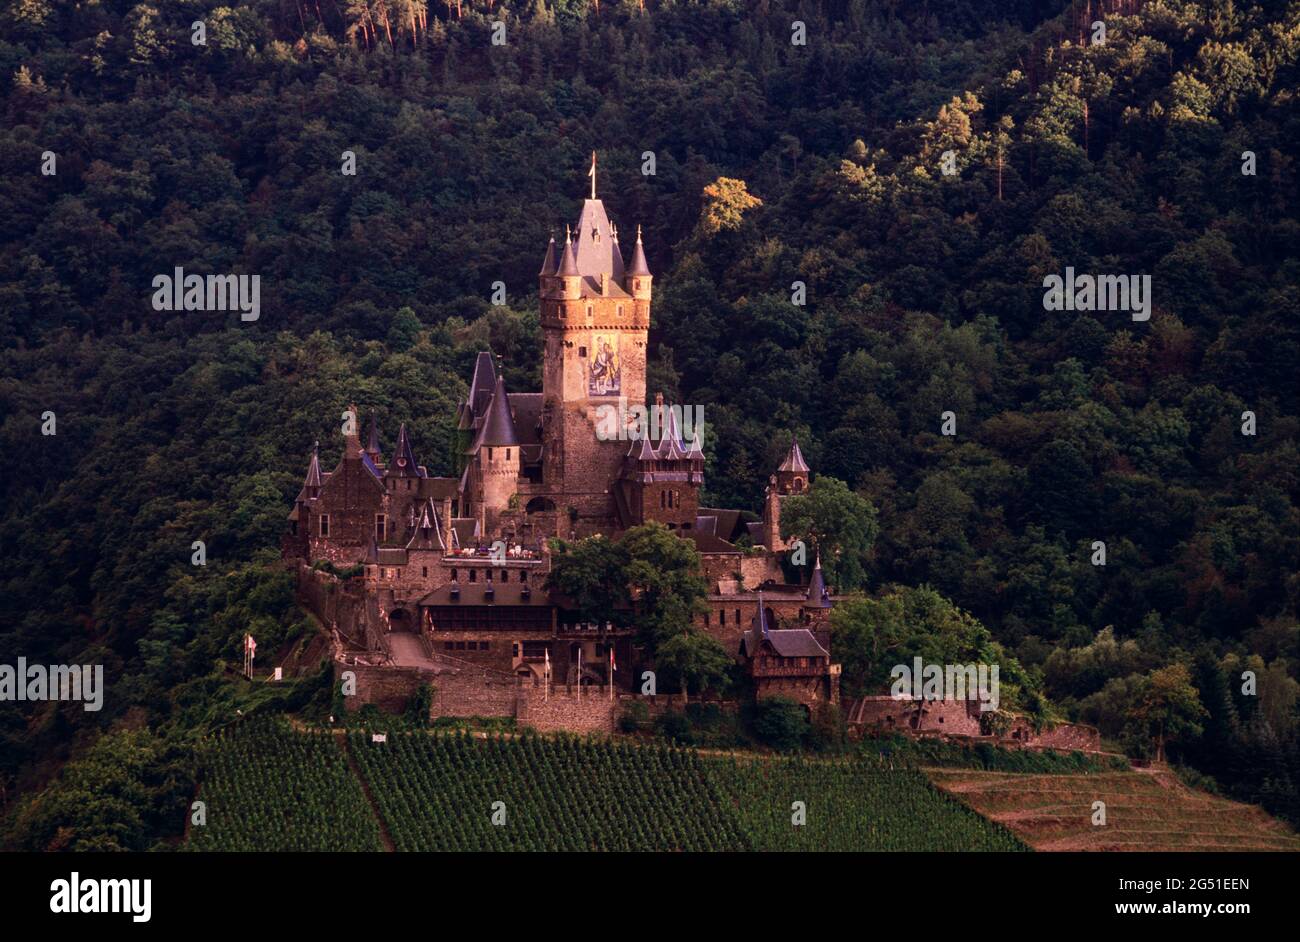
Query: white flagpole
[[546, 677], [579, 672], [610, 678]]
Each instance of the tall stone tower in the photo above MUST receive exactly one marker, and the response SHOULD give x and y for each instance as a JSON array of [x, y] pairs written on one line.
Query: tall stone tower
[[595, 317]]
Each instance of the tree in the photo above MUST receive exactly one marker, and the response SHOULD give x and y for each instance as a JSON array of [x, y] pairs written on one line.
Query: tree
[[839, 524], [781, 724], [1168, 708], [693, 660]]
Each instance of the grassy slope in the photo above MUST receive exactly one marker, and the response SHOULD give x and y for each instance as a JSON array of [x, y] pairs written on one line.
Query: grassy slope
[[1146, 811]]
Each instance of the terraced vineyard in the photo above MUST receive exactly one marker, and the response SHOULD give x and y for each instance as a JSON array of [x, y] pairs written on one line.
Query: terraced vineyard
[[1144, 811], [270, 788], [860, 805]]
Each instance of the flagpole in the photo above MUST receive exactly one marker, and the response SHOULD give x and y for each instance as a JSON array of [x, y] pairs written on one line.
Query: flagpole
[[611, 672], [580, 671]]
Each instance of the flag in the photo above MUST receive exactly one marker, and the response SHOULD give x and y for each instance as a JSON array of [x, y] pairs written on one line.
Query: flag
[[250, 645], [612, 665]]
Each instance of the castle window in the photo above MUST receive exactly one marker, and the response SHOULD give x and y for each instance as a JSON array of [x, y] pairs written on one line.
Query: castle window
[[620, 310], [424, 572], [514, 650], [381, 527], [706, 619], [722, 617], [663, 499], [489, 454], [507, 454], [408, 484], [737, 616], [449, 645], [590, 309], [325, 525], [453, 575], [523, 575], [473, 575], [582, 351], [460, 645]]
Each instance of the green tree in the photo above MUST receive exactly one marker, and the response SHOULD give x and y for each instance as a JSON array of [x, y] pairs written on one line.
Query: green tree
[[839, 524]]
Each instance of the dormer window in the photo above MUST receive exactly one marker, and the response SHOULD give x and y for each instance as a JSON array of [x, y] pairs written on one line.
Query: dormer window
[[325, 525]]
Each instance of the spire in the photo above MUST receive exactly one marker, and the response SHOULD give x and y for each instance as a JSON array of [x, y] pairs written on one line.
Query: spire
[[817, 596], [794, 460], [639, 266], [403, 456], [670, 445], [617, 273], [548, 263], [372, 446], [313, 471], [498, 426], [568, 259]]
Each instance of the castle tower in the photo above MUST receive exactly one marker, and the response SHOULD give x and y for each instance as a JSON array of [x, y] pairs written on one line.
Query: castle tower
[[497, 449], [595, 318], [791, 478]]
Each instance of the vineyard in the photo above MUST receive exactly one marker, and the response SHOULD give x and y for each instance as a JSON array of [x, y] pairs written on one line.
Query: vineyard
[[861, 805], [439, 793], [270, 788]]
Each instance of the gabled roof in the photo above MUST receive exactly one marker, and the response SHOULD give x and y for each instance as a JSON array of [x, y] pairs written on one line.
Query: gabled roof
[[498, 425], [428, 529], [794, 460], [796, 642], [464, 531]]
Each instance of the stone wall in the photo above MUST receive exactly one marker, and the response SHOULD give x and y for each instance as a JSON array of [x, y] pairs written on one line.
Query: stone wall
[[595, 712], [388, 688]]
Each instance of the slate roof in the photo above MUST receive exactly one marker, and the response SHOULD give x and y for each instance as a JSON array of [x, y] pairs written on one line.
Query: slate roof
[[498, 425], [794, 460]]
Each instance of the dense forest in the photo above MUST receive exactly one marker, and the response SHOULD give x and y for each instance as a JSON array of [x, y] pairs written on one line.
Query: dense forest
[[1163, 148]]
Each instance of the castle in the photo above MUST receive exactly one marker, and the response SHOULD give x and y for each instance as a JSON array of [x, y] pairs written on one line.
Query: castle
[[453, 569]]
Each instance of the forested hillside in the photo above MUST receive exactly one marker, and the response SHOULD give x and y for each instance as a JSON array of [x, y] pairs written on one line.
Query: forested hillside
[[775, 162]]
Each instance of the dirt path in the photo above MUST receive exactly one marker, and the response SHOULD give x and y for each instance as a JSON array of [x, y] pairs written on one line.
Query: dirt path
[[384, 836]]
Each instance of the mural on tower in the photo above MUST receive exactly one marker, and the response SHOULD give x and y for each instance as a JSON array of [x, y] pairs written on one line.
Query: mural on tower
[[604, 378]]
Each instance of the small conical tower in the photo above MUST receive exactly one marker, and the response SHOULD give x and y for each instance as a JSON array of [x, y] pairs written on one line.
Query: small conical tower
[[570, 280], [497, 450], [548, 267], [638, 274], [792, 475], [817, 596]]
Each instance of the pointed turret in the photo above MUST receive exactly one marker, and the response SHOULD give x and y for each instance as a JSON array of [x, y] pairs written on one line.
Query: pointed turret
[[498, 425], [548, 263], [639, 266], [568, 259], [618, 272], [670, 444], [311, 486], [794, 460], [403, 457], [697, 447], [817, 596]]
